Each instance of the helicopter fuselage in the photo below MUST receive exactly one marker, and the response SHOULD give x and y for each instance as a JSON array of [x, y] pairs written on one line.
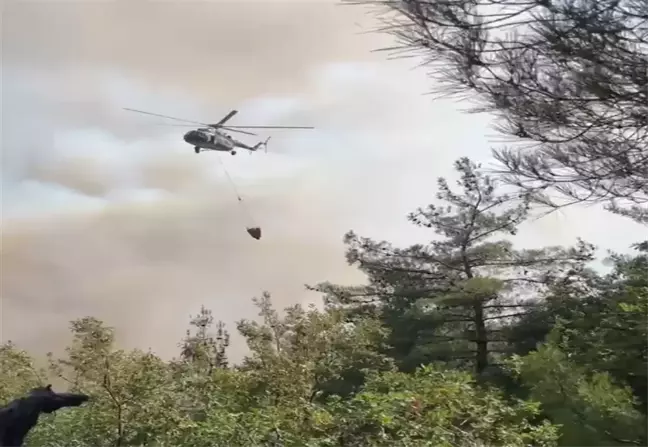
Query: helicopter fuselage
[[210, 140]]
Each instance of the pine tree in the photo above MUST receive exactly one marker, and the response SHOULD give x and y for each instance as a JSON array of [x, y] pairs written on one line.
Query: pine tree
[[203, 349], [449, 300], [569, 78]]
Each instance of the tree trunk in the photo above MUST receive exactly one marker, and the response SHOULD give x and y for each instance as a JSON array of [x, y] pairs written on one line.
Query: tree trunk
[[481, 338]]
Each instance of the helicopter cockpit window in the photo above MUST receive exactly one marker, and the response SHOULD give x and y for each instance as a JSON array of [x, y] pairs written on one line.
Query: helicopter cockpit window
[[196, 136]]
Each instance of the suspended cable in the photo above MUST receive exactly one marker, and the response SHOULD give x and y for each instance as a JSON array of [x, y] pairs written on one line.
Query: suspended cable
[[253, 230]]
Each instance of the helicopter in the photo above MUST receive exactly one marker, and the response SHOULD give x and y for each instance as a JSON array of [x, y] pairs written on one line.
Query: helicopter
[[210, 137]]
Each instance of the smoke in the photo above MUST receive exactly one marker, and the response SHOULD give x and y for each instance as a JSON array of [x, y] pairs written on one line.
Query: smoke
[[107, 213], [145, 267], [220, 51]]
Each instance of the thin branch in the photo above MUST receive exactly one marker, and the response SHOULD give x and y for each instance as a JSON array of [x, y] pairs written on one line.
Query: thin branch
[[117, 403]]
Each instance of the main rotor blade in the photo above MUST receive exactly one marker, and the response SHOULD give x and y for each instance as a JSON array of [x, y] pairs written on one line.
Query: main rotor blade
[[175, 125], [226, 118], [168, 117], [271, 127], [212, 128], [235, 130]]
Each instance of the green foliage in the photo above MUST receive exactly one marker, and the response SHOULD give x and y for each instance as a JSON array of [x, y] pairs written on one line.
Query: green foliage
[[602, 323], [431, 408], [201, 349], [589, 407], [311, 379], [19, 373], [614, 328], [329, 354]]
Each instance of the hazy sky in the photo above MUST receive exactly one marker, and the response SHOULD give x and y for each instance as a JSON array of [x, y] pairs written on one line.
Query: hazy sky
[[105, 212]]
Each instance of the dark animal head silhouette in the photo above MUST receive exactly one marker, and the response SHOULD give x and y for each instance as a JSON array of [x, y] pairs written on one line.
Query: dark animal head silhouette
[[21, 415]]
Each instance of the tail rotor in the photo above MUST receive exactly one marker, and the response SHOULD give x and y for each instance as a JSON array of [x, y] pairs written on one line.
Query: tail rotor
[[263, 144]]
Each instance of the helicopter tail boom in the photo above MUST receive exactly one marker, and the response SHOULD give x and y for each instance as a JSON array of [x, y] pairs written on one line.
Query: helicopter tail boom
[[263, 144]]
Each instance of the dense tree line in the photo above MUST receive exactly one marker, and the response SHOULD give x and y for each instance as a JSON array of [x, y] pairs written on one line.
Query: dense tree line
[[461, 340]]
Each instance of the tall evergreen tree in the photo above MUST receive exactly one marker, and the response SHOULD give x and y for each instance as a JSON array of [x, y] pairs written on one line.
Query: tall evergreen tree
[[203, 349], [449, 299]]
